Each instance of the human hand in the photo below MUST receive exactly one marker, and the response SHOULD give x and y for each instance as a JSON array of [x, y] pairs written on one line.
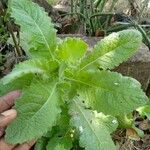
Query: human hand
[[6, 117]]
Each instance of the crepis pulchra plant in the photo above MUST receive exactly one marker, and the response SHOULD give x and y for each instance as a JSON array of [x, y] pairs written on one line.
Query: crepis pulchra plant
[[70, 98]]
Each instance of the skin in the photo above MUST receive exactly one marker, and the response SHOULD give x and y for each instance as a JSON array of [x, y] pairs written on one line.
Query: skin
[[7, 115]]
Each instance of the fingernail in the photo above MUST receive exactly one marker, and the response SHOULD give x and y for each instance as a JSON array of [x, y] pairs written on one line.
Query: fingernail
[[11, 112]]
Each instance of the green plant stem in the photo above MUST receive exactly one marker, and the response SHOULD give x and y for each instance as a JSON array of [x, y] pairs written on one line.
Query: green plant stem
[[76, 6], [125, 23], [91, 5], [2, 12], [86, 12], [110, 10], [145, 37], [125, 121], [72, 6], [82, 7], [96, 15], [118, 28], [148, 33], [102, 5], [97, 3], [75, 13], [18, 50]]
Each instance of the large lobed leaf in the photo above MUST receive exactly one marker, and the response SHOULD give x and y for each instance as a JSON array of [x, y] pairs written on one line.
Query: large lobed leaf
[[41, 144], [113, 50], [17, 84], [38, 109], [38, 36], [92, 127], [72, 50], [109, 92], [31, 67], [59, 143]]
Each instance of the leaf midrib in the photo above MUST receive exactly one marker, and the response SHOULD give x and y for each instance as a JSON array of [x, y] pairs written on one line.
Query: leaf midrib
[[47, 45], [49, 98], [90, 85], [101, 56], [87, 122]]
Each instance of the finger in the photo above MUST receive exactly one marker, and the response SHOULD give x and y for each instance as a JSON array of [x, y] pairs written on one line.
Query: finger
[[2, 131], [7, 101], [7, 117], [5, 146], [25, 146]]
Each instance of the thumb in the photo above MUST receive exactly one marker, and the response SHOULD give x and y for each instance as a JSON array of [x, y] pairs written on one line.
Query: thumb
[[7, 117]]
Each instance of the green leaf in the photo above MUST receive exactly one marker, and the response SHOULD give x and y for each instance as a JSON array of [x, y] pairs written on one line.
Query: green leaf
[[59, 143], [109, 121], [17, 84], [35, 66], [1, 58], [113, 50], [144, 111], [72, 50], [63, 127], [37, 31], [110, 92], [94, 134], [41, 144], [38, 109]]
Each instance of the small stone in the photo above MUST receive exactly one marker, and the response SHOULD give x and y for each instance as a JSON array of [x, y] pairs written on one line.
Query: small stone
[[145, 125]]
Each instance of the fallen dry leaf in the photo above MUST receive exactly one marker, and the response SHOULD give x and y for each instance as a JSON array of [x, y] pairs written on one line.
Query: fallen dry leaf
[[132, 134]]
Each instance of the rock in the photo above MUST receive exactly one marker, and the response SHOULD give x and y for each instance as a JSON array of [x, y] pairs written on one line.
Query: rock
[[138, 66], [145, 125]]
